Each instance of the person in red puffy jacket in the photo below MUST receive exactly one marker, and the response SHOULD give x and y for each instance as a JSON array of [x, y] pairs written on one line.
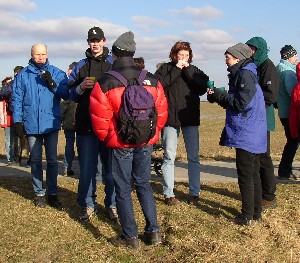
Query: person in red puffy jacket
[[130, 162], [294, 115]]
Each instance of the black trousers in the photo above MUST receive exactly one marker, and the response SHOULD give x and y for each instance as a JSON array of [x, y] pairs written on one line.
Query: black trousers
[[285, 166], [247, 165], [267, 176]]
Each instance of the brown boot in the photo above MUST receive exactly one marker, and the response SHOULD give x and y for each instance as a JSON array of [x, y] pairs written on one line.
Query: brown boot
[[266, 204], [171, 201]]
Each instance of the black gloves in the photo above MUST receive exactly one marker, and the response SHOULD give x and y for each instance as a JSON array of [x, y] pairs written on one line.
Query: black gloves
[[218, 96], [47, 76], [19, 129]]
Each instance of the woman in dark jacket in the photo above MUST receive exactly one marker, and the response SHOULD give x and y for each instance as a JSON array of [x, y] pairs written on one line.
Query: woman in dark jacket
[[183, 85], [245, 128]]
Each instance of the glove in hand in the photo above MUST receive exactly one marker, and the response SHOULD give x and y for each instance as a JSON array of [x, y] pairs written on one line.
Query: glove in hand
[[19, 129], [46, 75]]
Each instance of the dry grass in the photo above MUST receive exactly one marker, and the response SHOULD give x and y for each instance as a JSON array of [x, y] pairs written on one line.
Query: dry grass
[[191, 234]]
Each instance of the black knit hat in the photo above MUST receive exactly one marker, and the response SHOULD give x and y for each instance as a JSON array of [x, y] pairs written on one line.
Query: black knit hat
[[287, 52], [95, 33], [124, 46]]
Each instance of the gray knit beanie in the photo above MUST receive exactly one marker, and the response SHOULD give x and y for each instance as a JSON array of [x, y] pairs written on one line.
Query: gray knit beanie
[[124, 46], [240, 51]]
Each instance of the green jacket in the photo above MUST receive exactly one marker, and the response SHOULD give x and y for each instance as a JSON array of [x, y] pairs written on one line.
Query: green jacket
[[68, 109]]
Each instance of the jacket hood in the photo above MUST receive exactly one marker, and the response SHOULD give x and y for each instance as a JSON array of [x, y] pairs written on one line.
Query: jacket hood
[[37, 68], [261, 54]]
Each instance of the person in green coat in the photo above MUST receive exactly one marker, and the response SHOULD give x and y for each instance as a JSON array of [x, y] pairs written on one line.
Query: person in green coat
[[268, 79]]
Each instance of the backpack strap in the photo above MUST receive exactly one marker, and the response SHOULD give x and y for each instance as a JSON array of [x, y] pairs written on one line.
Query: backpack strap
[[123, 80], [142, 76], [118, 76]]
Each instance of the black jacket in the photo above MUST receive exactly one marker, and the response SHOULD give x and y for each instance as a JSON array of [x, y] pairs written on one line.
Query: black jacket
[[183, 88], [266, 73], [90, 66]]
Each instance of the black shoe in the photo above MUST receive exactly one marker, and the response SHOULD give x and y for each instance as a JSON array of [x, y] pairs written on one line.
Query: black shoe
[[132, 242], [257, 218], [241, 220], [40, 201], [54, 201], [152, 238]]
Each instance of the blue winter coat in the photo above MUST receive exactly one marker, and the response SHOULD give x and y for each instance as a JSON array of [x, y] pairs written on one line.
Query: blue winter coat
[[246, 124], [34, 104]]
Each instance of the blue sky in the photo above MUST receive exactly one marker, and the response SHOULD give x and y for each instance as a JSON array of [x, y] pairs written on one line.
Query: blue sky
[[210, 26]]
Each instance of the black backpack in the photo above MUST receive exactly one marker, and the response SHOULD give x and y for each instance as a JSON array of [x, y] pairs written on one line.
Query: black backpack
[[138, 115]]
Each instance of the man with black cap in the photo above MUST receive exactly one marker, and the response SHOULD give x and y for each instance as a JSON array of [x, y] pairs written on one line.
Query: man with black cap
[[287, 74], [81, 83], [130, 162], [245, 128]]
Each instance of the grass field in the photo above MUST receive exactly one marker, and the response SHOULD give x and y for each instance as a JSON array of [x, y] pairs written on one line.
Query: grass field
[[190, 234]]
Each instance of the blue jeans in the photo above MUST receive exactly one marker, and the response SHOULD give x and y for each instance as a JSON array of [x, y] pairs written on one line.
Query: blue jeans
[[89, 147], [9, 144], [35, 142], [69, 149], [128, 164], [191, 141]]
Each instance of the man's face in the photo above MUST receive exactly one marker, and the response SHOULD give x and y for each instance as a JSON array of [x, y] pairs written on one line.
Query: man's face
[[96, 46], [293, 59], [39, 54]]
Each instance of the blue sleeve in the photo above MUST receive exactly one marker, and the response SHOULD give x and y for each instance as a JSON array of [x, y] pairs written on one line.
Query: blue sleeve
[[17, 98], [290, 80], [244, 92], [60, 78]]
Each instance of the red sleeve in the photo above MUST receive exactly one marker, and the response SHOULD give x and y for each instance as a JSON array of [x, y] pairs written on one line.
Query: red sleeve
[[294, 112], [161, 105], [101, 112]]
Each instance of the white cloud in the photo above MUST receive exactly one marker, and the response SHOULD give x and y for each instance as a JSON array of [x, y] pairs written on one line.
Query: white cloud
[[149, 23], [206, 12], [11, 5]]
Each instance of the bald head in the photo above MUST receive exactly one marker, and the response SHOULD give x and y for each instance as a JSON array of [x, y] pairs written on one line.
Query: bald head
[[39, 53]]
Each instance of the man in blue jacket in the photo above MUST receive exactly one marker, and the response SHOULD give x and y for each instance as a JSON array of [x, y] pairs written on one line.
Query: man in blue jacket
[[37, 92]]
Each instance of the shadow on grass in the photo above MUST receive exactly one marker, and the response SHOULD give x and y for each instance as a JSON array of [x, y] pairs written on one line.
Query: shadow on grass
[[19, 182], [208, 206]]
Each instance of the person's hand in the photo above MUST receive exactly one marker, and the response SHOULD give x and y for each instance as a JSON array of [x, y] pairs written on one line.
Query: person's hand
[[87, 83], [19, 129], [46, 75], [182, 64]]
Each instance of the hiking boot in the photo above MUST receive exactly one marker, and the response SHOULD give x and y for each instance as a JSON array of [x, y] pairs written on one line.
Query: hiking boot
[[68, 172], [295, 176], [266, 204], [87, 213], [152, 238], [171, 201], [132, 242], [40, 201], [241, 220], [193, 200], [112, 212], [54, 202]]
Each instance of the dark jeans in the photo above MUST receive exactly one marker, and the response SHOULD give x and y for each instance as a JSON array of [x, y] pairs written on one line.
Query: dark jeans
[[134, 164], [267, 175], [89, 146], [289, 151], [247, 165]]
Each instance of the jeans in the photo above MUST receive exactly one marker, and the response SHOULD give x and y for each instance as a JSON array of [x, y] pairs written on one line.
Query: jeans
[[9, 144], [285, 166], [267, 176], [69, 149], [247, 165], [127, 165], [89, 147], [191, 141], [50, 141]]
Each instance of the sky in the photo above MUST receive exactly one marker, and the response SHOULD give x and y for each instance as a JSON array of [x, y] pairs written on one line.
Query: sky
[[210, 26]]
